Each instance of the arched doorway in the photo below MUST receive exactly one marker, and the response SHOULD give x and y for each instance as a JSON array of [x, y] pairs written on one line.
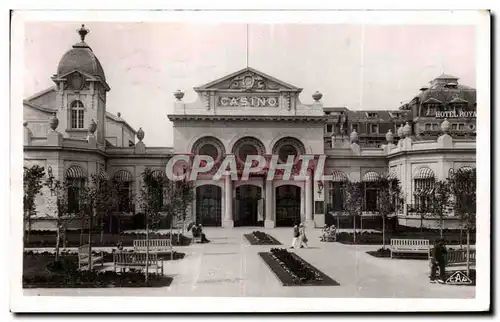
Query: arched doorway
[[287, 205], [208, 205], [248, 206]]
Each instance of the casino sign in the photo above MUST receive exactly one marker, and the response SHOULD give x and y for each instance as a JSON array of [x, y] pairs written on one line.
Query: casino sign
[[251, 101]]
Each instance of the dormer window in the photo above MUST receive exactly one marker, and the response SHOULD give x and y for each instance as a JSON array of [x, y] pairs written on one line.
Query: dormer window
[[374, 128], [371, 114], [328, 113], [76, 115]]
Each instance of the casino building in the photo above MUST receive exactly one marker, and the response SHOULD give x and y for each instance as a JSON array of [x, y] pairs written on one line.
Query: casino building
[[68, 130]]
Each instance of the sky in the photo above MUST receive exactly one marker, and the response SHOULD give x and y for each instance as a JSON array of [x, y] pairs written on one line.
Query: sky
[[369, 67]]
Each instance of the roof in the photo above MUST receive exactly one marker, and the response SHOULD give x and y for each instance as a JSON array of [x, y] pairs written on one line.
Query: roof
[[119, 120], [224, 82], [81, 58]]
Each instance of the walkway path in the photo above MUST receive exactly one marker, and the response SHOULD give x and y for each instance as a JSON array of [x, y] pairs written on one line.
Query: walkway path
[[230, 266]]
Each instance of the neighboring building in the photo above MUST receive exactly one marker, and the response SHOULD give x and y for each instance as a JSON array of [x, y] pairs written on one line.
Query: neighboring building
[[68, 131]]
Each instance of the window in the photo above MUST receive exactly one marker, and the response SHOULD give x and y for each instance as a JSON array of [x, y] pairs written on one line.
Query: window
[[75, 185], [329, 128], [372, 114], [435, 126], [337, 196], [355, 127], [124, 196], [328, 113], [77, 115], [373, 128], [454, 126], [370, 197], [461, 126], [428, 126]]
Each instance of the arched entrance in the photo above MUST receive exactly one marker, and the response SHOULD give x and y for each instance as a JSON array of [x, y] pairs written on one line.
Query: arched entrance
[[208, 205], [287, 205], [248, 206]]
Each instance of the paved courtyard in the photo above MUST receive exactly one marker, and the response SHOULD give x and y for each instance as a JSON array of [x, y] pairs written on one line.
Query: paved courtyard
[[229, 266]]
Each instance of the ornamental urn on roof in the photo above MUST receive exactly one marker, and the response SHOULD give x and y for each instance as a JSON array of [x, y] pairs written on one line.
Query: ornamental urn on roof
[[406, 130], [389, 136], [140, 134], [400, 131], [354, 136], [92, 126], [53, 122], [445, 126], [317, 96], [179, 94]]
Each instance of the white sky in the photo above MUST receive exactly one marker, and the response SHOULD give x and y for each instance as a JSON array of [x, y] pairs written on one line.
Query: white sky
[[375, 67]]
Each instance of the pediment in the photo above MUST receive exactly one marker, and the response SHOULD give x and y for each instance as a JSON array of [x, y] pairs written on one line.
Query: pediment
[[248, 80]]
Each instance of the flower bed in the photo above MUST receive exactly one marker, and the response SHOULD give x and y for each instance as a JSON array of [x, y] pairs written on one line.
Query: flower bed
[[261, 238], [44, 238], [375, 238], [41, 271], [108, 257], [292, 270], [386, 253]]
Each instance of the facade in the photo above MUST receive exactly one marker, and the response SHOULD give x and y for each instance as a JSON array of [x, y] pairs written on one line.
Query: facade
[[68, 131]]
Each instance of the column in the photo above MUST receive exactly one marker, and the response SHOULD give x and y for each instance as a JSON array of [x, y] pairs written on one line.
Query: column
[[228, 214], [309, 200], [269, 222]]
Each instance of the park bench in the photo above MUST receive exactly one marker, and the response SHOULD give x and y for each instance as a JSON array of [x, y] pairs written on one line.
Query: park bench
[[329, 237], [458, 257], [163, 245], [136, 260], [84, 258], [416, 246]]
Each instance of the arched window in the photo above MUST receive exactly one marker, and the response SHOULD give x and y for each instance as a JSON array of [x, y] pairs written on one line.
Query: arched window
[[339, 179], [76, 115], [370, 191], [125, 190], [424, 181], [75, 177]]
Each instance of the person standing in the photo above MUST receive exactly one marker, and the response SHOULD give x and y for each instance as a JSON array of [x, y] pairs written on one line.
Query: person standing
[[438, 259], [296, 235], [302, 236]]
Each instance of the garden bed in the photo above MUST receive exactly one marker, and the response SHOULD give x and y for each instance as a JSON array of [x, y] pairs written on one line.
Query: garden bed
[[47, 238], [375, 238], [292, 270], [40, 271], [108, 257], [260, 238], [386, 253]]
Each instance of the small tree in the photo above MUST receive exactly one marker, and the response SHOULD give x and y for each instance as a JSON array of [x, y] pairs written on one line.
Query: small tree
[[150, 199], [32, 184], [59, 191], [440, 202], [463, 187], [97, 197], [352, 201], [421, 207], [389, 200], [179, 194]]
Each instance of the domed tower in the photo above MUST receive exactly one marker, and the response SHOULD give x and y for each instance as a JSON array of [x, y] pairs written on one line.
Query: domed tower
[[81, 91]]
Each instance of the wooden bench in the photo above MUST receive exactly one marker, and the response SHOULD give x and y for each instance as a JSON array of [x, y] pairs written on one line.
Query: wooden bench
[[328, 237], [136, 260], [156, 246], [458, 257], [419, 246], [84, 258]]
